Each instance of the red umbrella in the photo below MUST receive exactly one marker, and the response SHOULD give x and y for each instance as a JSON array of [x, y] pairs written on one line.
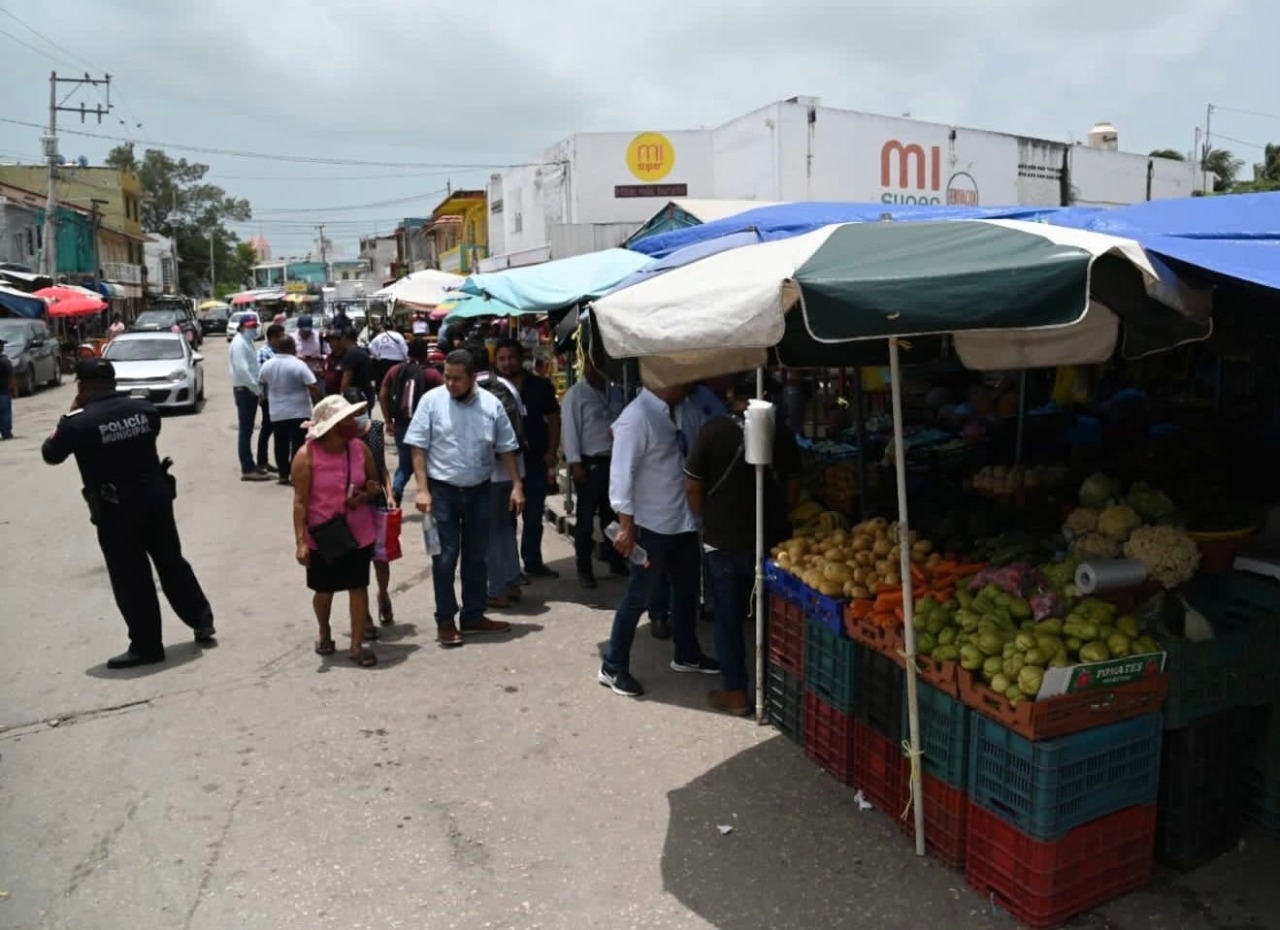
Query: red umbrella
[[71, 301]]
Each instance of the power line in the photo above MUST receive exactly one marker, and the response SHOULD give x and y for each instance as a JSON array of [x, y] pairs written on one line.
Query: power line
[[279, 178], [1256, 113], [1251, 145], [351, 207], [296, 159], [38, 51]]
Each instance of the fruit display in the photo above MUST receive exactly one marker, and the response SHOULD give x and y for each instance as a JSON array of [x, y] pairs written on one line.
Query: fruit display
[[1102, 526], [841, 562], [838, 489], [1007, 480]]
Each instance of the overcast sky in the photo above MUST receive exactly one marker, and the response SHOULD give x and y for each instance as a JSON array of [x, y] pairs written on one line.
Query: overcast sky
[[481, 86]]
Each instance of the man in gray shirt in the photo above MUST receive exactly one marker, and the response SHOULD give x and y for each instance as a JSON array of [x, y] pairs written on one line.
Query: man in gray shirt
[[455, 435]]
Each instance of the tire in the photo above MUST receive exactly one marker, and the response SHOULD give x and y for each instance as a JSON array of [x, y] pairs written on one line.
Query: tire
[[200, 392], [56, 380], [27, 386]]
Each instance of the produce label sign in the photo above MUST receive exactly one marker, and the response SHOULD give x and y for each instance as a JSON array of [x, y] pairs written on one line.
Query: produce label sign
[[1094, 675]]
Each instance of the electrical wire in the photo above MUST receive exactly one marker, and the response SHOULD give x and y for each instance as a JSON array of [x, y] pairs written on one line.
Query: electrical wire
[[1256, 113], [296, 159], [1252, 145], [38, 51]]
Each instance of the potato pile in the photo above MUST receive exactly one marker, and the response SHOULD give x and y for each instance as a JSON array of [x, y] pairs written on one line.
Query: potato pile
[[852, 562]]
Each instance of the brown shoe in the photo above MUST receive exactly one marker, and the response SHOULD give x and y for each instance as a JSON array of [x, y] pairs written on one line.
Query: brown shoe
[[448, 636], [730, 702], [514, 594], [501, 602], [485, 625]]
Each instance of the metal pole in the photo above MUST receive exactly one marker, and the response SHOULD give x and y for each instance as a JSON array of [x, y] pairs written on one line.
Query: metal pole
[[908, 599], [51, 203], [761, 714], [1022, 416], [324, 257], [860, 429], [1208, 146], [213, 284]]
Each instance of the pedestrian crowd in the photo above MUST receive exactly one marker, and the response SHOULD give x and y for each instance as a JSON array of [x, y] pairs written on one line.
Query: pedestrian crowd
[[481, 436]]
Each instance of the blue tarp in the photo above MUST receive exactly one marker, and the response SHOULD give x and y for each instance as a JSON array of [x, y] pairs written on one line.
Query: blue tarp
[[19, 304], [558, 284]]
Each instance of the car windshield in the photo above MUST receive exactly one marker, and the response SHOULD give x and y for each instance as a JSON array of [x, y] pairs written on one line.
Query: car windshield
[[157, 318], [143, 350]]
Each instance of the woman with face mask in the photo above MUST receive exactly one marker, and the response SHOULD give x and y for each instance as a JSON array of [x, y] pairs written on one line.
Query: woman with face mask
[[373, 434], [334, 478]]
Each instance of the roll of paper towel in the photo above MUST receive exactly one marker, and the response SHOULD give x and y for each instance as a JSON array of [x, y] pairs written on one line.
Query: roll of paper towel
[[759, 432], [1110, 575]]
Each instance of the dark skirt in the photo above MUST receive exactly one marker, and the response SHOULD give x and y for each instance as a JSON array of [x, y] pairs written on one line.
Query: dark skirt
[[325, 576]]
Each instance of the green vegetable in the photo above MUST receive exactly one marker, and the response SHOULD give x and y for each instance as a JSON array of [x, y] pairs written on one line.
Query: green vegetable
[[971, 658], [1152, 505], [1095, 651], [990, 644], [1030, 679], [1073, 644], [947, 636], [1051, 627], [1036, 657], [1098, 490], [1060, 660], [1129, 627], [946, 653], [991, 667], [1014, 694], [1019, 608], [1014, 664], [1000, 683], [926, 643], [1118, 645], [1025, 641]]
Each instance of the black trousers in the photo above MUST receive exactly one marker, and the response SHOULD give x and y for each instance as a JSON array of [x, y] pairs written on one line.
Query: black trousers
[[265, 432], [289, 437], [133, 536], [592, 504]]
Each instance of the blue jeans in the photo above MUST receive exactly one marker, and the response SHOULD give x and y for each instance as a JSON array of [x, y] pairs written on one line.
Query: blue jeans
[[246, 411], [404, 462], [535, 505], [6, 416], [504, 560], [732, 576], [678, 556], [462, 516]]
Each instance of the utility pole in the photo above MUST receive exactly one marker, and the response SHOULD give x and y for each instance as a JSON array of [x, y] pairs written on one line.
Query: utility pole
[[324, 255], [50, 141], [1204, 158], [213, 283]]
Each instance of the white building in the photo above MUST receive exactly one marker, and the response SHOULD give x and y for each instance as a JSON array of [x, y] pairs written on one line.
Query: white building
[[592, 190], [157, 253]]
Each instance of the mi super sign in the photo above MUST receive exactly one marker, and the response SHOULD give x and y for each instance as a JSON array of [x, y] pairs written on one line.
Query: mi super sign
[[912, 174]]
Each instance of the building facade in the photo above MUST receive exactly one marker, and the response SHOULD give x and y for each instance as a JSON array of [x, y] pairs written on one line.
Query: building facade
[[382, 255], [457, 235], [592, 190]]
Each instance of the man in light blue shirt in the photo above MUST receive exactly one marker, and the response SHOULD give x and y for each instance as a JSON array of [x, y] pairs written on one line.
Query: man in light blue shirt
[[243, 361], [646, 488], [455, 435]]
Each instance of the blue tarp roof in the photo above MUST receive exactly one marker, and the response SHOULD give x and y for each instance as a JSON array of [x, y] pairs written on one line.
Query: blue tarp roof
[[20, 304], [557, 284]]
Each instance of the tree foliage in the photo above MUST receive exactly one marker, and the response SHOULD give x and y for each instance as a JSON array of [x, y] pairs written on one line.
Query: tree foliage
[[1225, 166], [176, 201], [1168, 153]]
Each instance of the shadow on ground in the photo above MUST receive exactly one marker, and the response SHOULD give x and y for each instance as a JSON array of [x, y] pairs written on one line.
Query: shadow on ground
[[174, 656]]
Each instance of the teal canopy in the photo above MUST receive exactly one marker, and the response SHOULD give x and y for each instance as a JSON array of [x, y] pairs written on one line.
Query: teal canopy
[[556, 284]]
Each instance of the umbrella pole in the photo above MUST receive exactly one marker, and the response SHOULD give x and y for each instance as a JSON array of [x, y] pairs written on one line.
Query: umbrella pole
[[908, 600], [1022, 416], [759, 586], [860, 432]]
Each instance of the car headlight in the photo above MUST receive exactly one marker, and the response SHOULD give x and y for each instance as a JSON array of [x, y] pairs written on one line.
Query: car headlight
[[177, 374]]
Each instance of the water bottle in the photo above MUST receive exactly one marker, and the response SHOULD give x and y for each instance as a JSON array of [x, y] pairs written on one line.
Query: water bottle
[[431, 534], [638, 555]]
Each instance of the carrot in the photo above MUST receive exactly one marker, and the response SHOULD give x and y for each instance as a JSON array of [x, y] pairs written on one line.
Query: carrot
[[888, 596], [944, 595], [886, 619], [861, 608], [917, 576]]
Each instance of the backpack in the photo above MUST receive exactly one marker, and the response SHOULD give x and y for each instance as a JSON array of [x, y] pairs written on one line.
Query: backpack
[[401, 410], [510, 403]]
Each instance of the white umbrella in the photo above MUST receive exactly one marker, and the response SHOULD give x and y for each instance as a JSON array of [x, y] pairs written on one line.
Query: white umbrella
[[422, 288]]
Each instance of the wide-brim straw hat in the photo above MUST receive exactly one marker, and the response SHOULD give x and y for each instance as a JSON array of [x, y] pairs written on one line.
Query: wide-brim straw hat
[[329, 413]]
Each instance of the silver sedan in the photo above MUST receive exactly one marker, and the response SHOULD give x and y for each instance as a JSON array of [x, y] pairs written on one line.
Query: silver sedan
[[158, 367]]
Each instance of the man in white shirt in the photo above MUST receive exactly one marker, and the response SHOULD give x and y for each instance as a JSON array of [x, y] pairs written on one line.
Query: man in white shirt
[[646, 489], [311, 349], [291, 388], [386, 348], [242, 358]]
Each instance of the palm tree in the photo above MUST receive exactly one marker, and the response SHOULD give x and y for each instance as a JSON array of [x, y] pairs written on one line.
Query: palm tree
[[1224, 166], [1167, 153]]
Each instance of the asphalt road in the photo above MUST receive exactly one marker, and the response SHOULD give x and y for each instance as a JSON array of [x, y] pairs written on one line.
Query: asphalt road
[[257, 785]]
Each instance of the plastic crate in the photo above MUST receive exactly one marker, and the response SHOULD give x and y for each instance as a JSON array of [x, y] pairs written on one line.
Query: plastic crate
[[877, 638], [880, 770], [1048, 718], [784, 695], [787, 631], [1204, 780], [1043, 884], [879, 685], [1047, 788], [944, 735], [828, 738], [1231, 670], [829, 666], [946, 818], [828, 611], [784, 584]]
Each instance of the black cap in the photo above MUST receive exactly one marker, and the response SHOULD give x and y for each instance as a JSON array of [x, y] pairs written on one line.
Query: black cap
[[95, 369]]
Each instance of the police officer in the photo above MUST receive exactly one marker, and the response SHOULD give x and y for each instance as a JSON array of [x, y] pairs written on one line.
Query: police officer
[[130, 497]]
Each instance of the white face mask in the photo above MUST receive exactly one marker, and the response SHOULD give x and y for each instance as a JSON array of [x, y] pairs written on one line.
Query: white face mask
[[362, 422]]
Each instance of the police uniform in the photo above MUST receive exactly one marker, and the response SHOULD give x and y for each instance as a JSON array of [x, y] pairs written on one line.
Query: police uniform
[[130, 497]]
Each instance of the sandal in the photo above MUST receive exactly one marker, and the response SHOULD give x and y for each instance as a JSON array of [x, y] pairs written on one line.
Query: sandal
[[385, 615], [325, 647], [366, 658], [371, 632]]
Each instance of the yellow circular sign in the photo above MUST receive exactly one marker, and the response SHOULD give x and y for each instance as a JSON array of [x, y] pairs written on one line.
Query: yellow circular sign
[[651, 156]]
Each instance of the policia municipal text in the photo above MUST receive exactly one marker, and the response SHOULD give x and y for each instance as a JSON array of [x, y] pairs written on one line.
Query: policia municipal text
[[130, 496]]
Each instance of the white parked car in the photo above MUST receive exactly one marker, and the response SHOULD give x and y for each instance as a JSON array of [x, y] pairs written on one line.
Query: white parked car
[[233, 325], [158, 367]]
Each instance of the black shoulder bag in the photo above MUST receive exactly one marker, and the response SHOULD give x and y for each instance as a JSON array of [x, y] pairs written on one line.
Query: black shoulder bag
[[333, 537]]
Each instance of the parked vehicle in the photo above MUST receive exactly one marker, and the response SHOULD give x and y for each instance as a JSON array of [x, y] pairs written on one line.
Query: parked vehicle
[[160, 367], [214, 320], [233, 325], [164, 319], [34, 354]]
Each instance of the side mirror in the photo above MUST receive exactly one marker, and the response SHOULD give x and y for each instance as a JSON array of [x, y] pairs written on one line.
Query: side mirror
[[197, 357], [36, 343]]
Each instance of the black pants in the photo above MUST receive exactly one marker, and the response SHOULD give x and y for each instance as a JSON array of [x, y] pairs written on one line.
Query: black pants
[[289, 436], [265, 432], [592, 504], [130, 534]]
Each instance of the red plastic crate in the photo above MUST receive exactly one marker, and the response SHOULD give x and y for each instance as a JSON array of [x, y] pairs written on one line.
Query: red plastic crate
[[1045, 884], [828, 738], [880, 770], [787, 626], [946, 819]]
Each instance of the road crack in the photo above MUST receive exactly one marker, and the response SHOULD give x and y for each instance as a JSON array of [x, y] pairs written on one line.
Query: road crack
[[206, 876]]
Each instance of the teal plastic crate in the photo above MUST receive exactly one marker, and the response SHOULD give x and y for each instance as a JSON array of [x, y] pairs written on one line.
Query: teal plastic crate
[[1047, 788], [784, 694], [829, 665], [944, 735]]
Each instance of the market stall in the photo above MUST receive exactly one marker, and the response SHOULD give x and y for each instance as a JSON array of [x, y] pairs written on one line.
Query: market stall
[[1010, 303]]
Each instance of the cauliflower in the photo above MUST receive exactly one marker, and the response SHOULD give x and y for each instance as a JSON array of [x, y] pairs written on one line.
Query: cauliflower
[[1118, 522], [1098, 490], [1095, 546], [1082, 520], [1169, 554]]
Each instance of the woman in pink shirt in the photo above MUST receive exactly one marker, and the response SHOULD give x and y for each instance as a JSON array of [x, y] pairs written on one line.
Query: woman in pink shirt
[[334, 477]]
